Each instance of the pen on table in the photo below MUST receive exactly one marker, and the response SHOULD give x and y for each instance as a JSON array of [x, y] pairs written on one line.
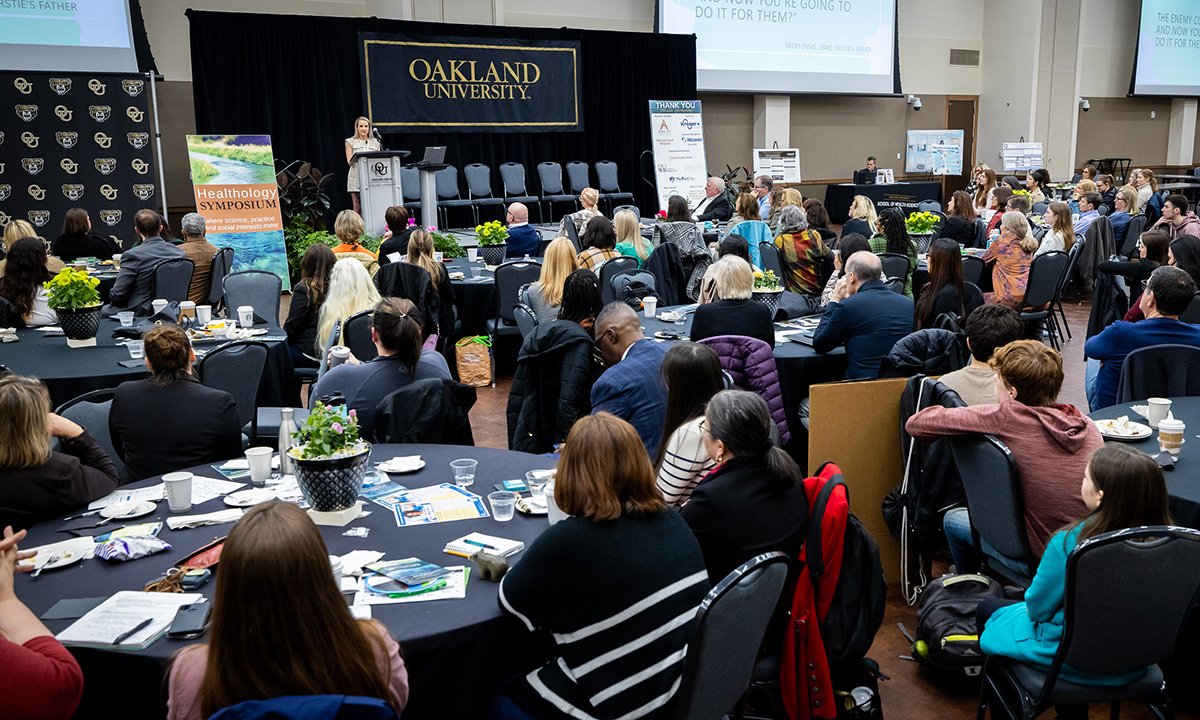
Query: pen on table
[[129, 633], [476, 543]]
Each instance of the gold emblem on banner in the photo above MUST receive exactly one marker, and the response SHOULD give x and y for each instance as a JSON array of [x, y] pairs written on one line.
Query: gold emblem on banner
[[30, 139], [22, 85], [5, 192], [108, 191], [110, 217], [36, 192], [67, 139], [33, 166], [102, 140], [100, 113], [64, 113], [73, 191], [1, 168], [138, 139], [133, 88], [140, 166], [106, 166], [135, 114], [26, 112], [96, 86], [69, 166], [60, 86], [1, 137], [39, 217], [5, 218], [143, 191]]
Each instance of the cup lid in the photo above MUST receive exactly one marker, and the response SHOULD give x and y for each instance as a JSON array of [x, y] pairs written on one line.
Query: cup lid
[[1171, 423]]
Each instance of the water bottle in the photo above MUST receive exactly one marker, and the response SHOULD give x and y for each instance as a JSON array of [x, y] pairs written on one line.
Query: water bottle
[[287, 432]]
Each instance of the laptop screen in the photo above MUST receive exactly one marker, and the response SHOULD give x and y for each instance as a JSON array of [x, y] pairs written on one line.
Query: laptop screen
[[435, 155]]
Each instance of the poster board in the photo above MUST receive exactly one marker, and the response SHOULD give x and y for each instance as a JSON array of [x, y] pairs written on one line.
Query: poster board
[[680, 167], [1022, 156], [782, 165], [938, 152]]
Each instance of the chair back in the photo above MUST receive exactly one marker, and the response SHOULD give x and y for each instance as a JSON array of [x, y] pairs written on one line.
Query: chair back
[[526, 319], [768, 255], [309, 707], [992, 484], [895, 284], [1133, 231], [577, 175], [479, 180], [257, 288], [1192, 313], [980, 233], [972, 269], [446, 180], [509, 277], [609, 270], [173, 278], [1102, 209], [895, 265], [91, 411], [1045, 277], [606, 176], [1160, 371], [631, 208], [237, 368], [410, 182], [357, 335], [550, 178], [1039, 208], [726, 635], [572, 233], [222, 265], [929, 206], [512, 175], [323, 362], [428, 411]]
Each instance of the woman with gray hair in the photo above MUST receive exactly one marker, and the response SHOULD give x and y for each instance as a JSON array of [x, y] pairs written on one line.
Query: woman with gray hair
[[728, 309], [201, 252], [801, 251], [753, 501]]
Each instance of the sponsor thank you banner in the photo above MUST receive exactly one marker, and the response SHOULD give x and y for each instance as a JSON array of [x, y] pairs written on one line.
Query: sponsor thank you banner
[[456, 84], [679, 162]]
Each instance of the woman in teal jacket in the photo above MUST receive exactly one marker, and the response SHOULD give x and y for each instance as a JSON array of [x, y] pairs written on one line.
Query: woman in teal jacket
[[1122, 488]]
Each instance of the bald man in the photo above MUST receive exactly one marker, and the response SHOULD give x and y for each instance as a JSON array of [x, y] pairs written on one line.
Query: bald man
[[523, 238], [715, 205], [631, 388], [865, 315]]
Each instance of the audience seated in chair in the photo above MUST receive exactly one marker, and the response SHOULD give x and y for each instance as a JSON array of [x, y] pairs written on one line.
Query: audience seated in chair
[[438, 313], [1050, 443], [308, 296], [1126, 208], [523, 238], [1183, 253], [1011, 255], [599, 244], [761, 189], [280, 626], [1177, 219], [576, 583], [200, 251], [134, 287], [350, 291], [349, 228], [581, 300], [864, 315], [1035, 182], [988, 327], [23, 283], [892, 237], [582, 218], [1060, 231], [629, 237], [715, 206], [631, 387], [1087, 212], [847, 246], [726, 307], [545, 296], [960, 219], [37, 483], [396, 333], [802, 252], [395, 238], [692, 375], [946, 292], [78, 241], [14, 231]]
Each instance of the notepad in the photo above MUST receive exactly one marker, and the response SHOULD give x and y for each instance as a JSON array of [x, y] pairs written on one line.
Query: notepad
[[121, 613], [468, 545]]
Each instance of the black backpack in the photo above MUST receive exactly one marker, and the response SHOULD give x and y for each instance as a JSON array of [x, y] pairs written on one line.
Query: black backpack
[[632, 287], [947, 642]]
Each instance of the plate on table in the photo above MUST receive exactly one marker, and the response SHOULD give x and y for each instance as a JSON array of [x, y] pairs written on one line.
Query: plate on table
[[532, 505], [1123, 428], [401, 465], [65, 558], [249, 497], [128, 510]]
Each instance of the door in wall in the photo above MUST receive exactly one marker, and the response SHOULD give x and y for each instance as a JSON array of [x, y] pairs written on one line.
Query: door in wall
[[960, 115]]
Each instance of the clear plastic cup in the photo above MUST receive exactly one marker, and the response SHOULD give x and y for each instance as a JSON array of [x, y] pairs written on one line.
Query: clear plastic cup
[[472, 254], [536, 481], [476, 272], [126, 318], [464, 471], [136, 348], [503, 503]]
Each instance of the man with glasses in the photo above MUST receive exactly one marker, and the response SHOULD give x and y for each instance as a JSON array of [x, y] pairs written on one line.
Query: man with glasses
[[631, 388], [762, 190]]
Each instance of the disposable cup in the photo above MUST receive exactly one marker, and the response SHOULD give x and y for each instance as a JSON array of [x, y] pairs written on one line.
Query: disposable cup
[[439, 256], [116, 258], [503, 504], [259, 459], [536, 481], [159, 305], [179, 491], [553, 512], [246, 315], [1170, 435], [338, 355], [187, 309], [1157, 410], [136, 348], [472, 254], [476, 272], [464, 471], [126, 318], [204, 314], [650, 304]]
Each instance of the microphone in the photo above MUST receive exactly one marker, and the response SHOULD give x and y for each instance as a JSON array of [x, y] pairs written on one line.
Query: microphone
[[375, 132]]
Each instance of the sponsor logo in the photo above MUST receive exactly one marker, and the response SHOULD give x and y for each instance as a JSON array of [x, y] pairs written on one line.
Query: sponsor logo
[[73, 191], [69, 166], [67, 139], [100, 113], [96, 87], [30, 139], [106, 166], [36, 192], [102, 140], [26, 112], [64, 113], [133, 88], [5, 218], [138, 139], [689, 124], [33, 166], [110, 217], [5, 192], [134, 114], [140, 166], [22, 85], [108, 191], [143, 191], [39, 217], [60, 86]]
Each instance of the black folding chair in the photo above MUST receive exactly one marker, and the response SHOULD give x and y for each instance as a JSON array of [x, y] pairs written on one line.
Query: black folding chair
[[550, 177], [356, 335], [1133, 231], [895, 265], [257, 288], [1043, 289], [512, 176], [572, 233], [1160, 371], [91, 411], [610, 189], [222, 265], [509, 278], [577, 175], [479, 189], [448, 194], [973, 268], [237, 368], [609, 270], [173, 279]]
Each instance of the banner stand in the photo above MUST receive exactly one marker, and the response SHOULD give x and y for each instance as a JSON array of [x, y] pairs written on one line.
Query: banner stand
[[162, 178]]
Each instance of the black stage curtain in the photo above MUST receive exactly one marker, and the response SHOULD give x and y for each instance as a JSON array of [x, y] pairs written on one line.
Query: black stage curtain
[[297, 79]]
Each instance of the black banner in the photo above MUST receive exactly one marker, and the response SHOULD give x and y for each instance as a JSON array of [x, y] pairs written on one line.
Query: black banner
[[75, 140], [449, 84]]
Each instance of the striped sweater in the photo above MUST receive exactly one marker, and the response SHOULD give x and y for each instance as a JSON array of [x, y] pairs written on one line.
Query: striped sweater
[[619, 598], [685, 462]]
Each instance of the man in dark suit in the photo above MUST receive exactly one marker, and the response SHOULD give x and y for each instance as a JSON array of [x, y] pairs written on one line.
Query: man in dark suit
[[523, 238], [631, 388], [134, 288], [864, 315], [866, 176], [715, 205]]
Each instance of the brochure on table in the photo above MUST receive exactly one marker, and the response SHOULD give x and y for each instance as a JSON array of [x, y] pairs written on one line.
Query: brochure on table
[[437, 503]]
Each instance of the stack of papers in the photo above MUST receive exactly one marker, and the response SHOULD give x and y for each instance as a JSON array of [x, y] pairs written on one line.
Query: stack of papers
[[437, 503], [454, 588], [468, 545], [154, 493], [147, 614]]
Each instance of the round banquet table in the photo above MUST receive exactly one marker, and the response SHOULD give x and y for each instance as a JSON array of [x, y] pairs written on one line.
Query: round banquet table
[[474, 298], [458, 652]]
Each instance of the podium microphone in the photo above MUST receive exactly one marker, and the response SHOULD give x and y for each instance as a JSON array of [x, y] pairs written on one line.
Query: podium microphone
[[375, 132]]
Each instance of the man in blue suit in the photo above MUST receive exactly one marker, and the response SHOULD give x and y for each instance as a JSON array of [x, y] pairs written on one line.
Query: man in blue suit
[[631, 388], [134, 288], [523, 238], [864, 315]]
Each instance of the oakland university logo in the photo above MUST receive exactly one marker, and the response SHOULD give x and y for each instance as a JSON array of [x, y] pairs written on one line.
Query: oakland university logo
[[33, 166], [36, 192], [143, 191], [67, 139], [30, 139], [5, 218], [108, 191], [102, 140], [26, 112], [138, 139], [133, 88], [110, 217], [106, 166], [134, 114], [22, 85], [69, 166], [100, 113], [60, 86], [72, 191], [64, 113], [39, 217], [1, 137], [96, 86], [140, 166], [5, 192]]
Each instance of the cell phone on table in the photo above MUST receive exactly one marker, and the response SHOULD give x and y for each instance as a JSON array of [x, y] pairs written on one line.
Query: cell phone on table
[[190, 621]]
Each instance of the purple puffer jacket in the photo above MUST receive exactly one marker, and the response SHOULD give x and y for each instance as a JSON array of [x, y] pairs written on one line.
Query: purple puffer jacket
[[751, 364]]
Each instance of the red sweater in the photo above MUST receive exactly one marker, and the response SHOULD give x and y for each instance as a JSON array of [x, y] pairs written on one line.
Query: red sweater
[[40, 680]]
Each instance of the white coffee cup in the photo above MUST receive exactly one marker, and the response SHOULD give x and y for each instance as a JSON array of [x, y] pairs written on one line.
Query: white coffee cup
[[259, 459], [650, 304], [553, 513], [438, 256], [159, 305], [179, 491], [246, 315], [472, 254], [187, 309], [204, 314], [1156, 410]]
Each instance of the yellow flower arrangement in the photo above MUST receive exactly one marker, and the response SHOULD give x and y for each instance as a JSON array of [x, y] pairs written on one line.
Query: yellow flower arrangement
[[921, 223], [492, 232], [766, 281], [72, 289]]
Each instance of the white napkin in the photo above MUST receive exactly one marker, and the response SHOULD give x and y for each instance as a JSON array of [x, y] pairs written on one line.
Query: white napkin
[[402, 464], [353, 561], [220, 517]]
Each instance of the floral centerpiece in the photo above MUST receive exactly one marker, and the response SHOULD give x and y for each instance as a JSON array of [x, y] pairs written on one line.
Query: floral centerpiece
[[661, 215], [446, 244], [492, 237], [331, 458], [767, 289], [74, 297], [921, 226]]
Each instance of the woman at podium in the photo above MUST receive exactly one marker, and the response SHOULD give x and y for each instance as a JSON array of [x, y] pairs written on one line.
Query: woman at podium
[[360, 142]]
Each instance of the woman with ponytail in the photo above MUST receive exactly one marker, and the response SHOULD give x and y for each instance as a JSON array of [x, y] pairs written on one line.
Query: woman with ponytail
[[753, 501]]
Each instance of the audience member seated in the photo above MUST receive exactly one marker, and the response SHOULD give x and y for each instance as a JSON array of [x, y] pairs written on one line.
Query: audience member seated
[[280, 626], [801, 252], [818, 219], [599, 244], [587, 200], [523, 238], [77, 239], [1146, 185], [1126, 207], [715, 207], [396, 332], [1108, 192], [1012, 183], [1060, 229], [36, 483], [847, 246], [864, 315], [988, 327], [1000, 197], [1086, 174], [308, 295], [1019, 203], [170, 421], [1122, 488], [41, 679], [863, 218], [630, 242], [200, 251], [1168, 293], [731, 311], [545, 296], [349, 228], [134, 287], [960, 219], [23, 282], [745, 209], [1050, 443], [692, 374], [1176, 219], [753, 502], [761, 189], [350, 291], [1183, 253], [1011, 255], [985, 184], [395, 238], [683, 233], [1152, 249], [1088, 214], [581, 299], [733, 244], [946, 292], [776, 206], [440, 305], [976, 173], [1036, 182], [892, 237], [631, 388], [623, 571]]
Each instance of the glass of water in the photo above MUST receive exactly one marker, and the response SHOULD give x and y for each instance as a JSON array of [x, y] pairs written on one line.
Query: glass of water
[[503, 503], [464, 471]]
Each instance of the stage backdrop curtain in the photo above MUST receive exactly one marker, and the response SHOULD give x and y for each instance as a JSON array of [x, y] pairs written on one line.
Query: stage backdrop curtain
[[297, 79]]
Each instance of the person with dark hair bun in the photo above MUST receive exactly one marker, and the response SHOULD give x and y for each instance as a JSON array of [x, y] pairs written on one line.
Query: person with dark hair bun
[[599, 244], [170, 421], [892, 237]]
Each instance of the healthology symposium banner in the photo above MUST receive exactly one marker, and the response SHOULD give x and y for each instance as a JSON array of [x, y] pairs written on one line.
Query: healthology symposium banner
[[234, 181], [679, 162]]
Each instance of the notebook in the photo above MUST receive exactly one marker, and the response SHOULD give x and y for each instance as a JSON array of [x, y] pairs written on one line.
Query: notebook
[[147, 614], [468, 545]]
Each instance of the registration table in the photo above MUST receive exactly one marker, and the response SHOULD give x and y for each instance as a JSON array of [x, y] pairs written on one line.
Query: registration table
[[458, 652]]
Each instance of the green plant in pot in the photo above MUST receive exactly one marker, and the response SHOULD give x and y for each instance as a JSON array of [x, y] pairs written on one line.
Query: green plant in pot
[[330, 459], [767, 289], [74, 297], [493, 241]]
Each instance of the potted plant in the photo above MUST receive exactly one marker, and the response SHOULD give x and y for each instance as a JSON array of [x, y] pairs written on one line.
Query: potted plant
[[447, 245], [661, 216], [921, 227], [330, 458], [492, 237], [74, 297], [767, 289]]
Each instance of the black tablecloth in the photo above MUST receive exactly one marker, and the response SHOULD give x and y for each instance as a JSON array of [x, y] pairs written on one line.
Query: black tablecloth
[[904, 195], [475, 299], [458, 652]]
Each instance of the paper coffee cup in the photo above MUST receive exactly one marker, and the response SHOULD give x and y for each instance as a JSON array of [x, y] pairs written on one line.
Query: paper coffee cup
[[259, 459], [204, 314], [245, 315], [1156, 409], [338, 355], [187, 309], [650, 304], [116, 258], [179, 491], [1170, 435], [159, 305]]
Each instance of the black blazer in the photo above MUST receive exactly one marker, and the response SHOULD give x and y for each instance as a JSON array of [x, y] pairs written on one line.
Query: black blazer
[[80, 473], [396, 243], [719, 209], [959, 230], [733, 317], [159, 428], [868, 323], [301, 323], [69, 247], [857, 225], [947, 302]]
